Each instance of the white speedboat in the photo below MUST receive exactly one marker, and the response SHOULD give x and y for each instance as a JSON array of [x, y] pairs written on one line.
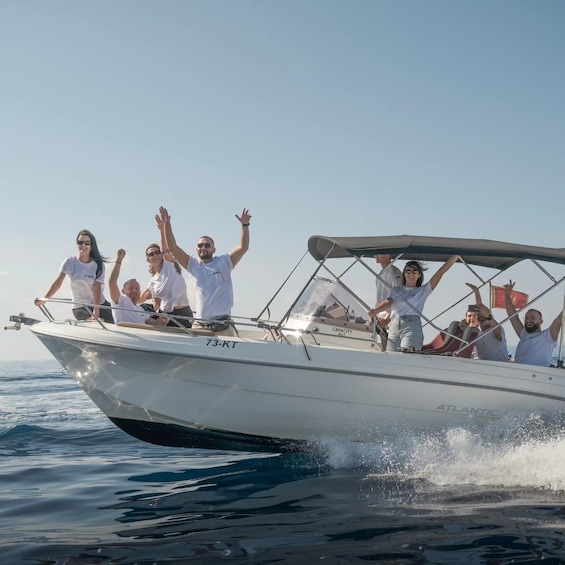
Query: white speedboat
[[318, 373]]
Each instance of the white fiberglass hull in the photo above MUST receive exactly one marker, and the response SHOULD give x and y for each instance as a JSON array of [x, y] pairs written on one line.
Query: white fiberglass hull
[[183, 390]]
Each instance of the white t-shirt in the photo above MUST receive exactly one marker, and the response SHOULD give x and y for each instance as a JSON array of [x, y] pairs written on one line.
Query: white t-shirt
[[82, 277], [214, 296], [417, 296], [170, 287], [128, 311], [393, 276], [535, 348], [488, 347]]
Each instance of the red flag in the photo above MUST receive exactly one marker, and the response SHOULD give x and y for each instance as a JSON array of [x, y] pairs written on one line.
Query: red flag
[[498, 299]]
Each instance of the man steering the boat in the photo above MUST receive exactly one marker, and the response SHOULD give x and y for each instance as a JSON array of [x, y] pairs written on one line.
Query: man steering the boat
[[211, 274], [536, 345]]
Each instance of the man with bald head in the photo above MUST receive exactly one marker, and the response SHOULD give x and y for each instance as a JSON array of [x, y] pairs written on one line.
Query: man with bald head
[[536, 345]]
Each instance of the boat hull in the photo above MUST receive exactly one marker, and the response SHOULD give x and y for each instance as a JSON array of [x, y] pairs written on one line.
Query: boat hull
[[239, 393]]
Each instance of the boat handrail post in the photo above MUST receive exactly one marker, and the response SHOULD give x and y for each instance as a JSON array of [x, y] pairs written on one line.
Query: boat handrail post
[[280, 288], [44, 310], [560, 349]]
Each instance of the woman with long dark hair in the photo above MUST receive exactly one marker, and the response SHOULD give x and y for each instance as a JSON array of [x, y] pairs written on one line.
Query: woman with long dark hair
[[405, 330], [86, 274]]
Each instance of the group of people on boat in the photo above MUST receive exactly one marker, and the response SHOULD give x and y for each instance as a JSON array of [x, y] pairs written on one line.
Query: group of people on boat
[[401, 296], [167, 287]]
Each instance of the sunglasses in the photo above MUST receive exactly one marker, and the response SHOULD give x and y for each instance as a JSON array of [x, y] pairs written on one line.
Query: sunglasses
[[153, 253], [201, 245], [83, 242], [411, 271]]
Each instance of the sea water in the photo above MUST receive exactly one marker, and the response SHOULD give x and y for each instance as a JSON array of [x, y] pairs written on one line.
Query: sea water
[[77, 490]]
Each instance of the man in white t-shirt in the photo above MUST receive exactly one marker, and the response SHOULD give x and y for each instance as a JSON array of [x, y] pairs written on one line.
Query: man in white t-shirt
[[491, 344], [211, 275], [536, 345], [389, 277], [125, 302]]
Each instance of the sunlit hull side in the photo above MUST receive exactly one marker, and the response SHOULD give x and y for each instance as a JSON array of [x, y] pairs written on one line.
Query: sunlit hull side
[[195, 391]]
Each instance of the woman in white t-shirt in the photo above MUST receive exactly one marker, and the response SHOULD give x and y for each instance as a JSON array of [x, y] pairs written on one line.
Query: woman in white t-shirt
[[86, 274], [167, 286], [405, 329]]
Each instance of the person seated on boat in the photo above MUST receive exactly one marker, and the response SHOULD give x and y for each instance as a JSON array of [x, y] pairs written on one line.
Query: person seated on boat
[[127, 301], [491, 345], [211, 274], [167, 287], [392, 275], [471, 318], [405, 330], [86, 275], [535, 346]]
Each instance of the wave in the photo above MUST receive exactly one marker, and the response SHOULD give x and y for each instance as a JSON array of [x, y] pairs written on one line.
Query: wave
[[29, 435]]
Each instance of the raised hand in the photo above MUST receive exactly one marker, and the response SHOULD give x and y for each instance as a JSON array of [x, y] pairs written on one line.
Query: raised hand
[[120, 255], [165, 217], [160, 223], [245, 216], [508, 288]]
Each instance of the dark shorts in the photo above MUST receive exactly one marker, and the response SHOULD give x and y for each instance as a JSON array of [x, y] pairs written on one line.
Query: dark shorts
[[186, 311], [84, 313], [219, 324]]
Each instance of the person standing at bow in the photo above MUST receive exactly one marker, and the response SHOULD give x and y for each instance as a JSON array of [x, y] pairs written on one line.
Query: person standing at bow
[[86, 274], [405, 329], [211, 274], [167, 286]]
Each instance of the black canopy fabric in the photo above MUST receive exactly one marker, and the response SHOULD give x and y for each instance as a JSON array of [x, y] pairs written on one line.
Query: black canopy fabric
[[480, 252]]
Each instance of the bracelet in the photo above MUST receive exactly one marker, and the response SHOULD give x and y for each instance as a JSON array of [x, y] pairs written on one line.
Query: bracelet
[[245, 225], [118, 262]]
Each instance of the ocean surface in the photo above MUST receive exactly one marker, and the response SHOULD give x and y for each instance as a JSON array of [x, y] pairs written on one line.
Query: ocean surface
[[74, 489]]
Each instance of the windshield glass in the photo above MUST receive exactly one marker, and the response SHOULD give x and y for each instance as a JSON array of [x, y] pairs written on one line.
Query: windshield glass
[[326, 299]]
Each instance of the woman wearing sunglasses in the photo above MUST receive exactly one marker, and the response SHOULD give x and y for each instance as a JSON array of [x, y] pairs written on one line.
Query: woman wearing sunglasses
[[86, 274], [405, 330], [167, 286]]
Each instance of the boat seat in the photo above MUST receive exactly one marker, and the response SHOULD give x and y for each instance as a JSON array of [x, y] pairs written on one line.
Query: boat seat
[[470, 334], [168, 329], [444, 342]]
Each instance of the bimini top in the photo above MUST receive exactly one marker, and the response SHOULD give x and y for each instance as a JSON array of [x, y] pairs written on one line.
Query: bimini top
[[482, 252]]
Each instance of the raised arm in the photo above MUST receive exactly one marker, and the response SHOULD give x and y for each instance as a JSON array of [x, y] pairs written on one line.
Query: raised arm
[[511, 310], [477, 293], [55, 286], [179, 254], [237, 253], [167, 254], [113, 280], [484, 312], [442, 270], [555, 327]]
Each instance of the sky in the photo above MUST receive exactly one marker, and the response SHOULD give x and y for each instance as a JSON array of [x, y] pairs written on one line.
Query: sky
[[333, 117]]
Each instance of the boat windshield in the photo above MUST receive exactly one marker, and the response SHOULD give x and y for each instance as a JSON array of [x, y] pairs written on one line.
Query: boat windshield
[[325, 299]]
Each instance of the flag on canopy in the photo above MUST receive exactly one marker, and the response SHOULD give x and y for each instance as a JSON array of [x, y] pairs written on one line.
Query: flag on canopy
[[498, 298]]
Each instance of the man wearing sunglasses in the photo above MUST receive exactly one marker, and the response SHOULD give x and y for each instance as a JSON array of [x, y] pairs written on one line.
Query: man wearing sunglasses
[[211, 274]]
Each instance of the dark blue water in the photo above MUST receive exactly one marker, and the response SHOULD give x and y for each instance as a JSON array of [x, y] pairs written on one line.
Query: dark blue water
[[77, 490]]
